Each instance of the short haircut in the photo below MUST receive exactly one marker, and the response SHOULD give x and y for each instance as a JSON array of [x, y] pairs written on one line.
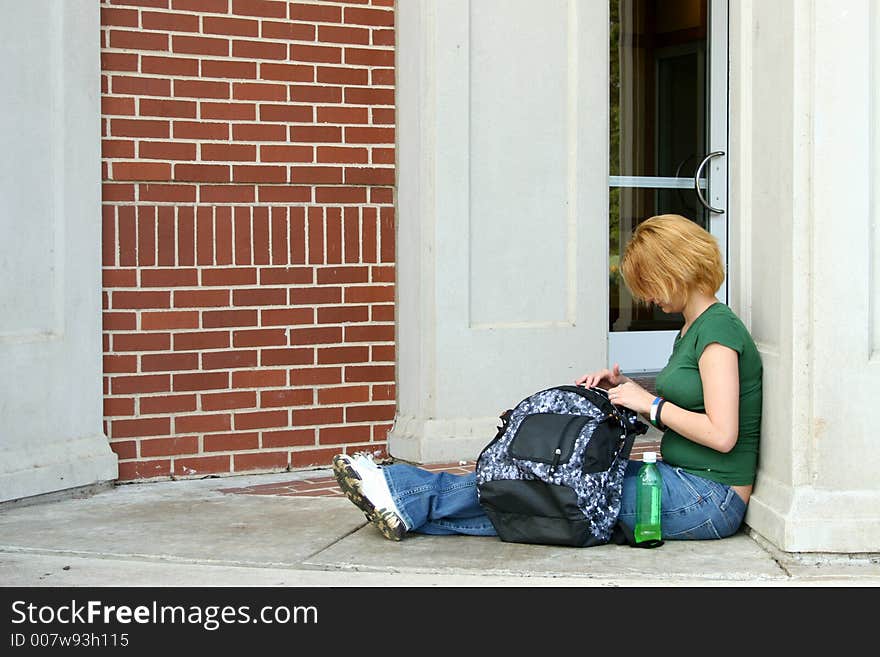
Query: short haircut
[[669, 256]]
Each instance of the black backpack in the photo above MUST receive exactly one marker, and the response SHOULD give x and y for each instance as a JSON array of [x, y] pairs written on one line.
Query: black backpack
[[554, 472]]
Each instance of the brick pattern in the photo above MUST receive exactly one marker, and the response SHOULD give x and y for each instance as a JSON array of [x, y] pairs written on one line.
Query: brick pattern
[[248, 232]]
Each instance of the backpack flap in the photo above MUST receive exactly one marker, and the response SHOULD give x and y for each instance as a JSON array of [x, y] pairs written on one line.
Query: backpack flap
[[547, 438]]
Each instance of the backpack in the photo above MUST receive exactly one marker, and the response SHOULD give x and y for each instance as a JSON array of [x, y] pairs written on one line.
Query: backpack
[[553, 474]]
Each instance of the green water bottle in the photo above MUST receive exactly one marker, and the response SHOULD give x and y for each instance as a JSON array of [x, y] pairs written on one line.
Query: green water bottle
[[649, 488]]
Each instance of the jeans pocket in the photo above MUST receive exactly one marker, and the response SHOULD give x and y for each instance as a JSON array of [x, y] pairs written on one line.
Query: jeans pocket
[[693, 483], [727, 499], [704, 531], [732, 509]]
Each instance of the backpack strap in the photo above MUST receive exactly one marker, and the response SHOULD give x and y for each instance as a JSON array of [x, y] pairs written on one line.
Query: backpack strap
[[622, 535], [626, 442], [505, 420]]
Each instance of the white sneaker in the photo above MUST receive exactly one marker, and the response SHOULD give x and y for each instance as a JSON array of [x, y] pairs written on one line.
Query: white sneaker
[[363, 482], [366, 459]]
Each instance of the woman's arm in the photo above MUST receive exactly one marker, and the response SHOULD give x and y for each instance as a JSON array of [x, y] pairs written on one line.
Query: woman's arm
[[718, 427]]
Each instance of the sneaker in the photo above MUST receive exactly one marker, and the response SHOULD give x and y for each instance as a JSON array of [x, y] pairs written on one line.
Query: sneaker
[[363, 482]]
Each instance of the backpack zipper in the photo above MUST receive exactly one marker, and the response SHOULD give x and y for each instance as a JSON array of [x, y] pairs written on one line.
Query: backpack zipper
[[555, 462]]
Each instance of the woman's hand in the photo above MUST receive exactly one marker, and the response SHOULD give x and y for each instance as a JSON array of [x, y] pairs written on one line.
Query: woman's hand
[[631, 395], [603, 378]]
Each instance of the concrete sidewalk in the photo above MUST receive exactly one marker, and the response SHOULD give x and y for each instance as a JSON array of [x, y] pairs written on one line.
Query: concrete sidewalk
[[208, 533]]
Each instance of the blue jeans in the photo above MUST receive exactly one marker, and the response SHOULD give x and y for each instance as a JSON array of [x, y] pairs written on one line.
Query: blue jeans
[[445, 503], [437, 502]]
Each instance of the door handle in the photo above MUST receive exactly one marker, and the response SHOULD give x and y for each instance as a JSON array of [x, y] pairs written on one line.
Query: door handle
[[697, 182]]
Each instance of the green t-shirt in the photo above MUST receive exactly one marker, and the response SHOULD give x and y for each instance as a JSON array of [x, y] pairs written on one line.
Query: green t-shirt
[[679, 383]]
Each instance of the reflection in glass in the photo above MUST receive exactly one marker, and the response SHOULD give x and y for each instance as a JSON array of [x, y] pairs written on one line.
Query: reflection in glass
[[658, 124]]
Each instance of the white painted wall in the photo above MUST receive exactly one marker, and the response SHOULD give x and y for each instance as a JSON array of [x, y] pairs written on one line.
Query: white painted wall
[[502, 212], [805, 108], [51, 412]]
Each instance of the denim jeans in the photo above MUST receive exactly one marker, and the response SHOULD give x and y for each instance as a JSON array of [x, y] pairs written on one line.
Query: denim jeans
[[444, 503], [437, 502]]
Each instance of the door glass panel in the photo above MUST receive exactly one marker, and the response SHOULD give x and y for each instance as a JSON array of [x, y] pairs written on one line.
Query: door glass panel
[[659, 131]]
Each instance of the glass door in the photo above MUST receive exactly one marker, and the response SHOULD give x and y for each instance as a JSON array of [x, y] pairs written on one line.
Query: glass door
[[668, 145]]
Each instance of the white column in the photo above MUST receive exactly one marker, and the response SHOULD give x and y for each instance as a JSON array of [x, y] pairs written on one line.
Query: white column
[[502, 212], [804, 133], [51, 411]]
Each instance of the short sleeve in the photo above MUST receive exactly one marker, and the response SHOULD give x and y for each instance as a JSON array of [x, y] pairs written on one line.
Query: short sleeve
[[723, 330]]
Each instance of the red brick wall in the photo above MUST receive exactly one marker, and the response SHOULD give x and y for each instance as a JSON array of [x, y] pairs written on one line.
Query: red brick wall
[[248, 232]]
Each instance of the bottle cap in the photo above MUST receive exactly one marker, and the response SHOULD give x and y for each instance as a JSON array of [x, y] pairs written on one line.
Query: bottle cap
[[649, 457]]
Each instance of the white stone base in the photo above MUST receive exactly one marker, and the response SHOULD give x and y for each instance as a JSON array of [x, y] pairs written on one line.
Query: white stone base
[[54, 466], [420, 440], [810, 519]]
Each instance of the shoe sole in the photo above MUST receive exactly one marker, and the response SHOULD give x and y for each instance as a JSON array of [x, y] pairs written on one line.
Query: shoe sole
[[387, 522]]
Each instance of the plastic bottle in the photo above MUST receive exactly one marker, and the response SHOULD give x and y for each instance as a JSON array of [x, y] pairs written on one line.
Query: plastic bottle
[[649, 488]]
